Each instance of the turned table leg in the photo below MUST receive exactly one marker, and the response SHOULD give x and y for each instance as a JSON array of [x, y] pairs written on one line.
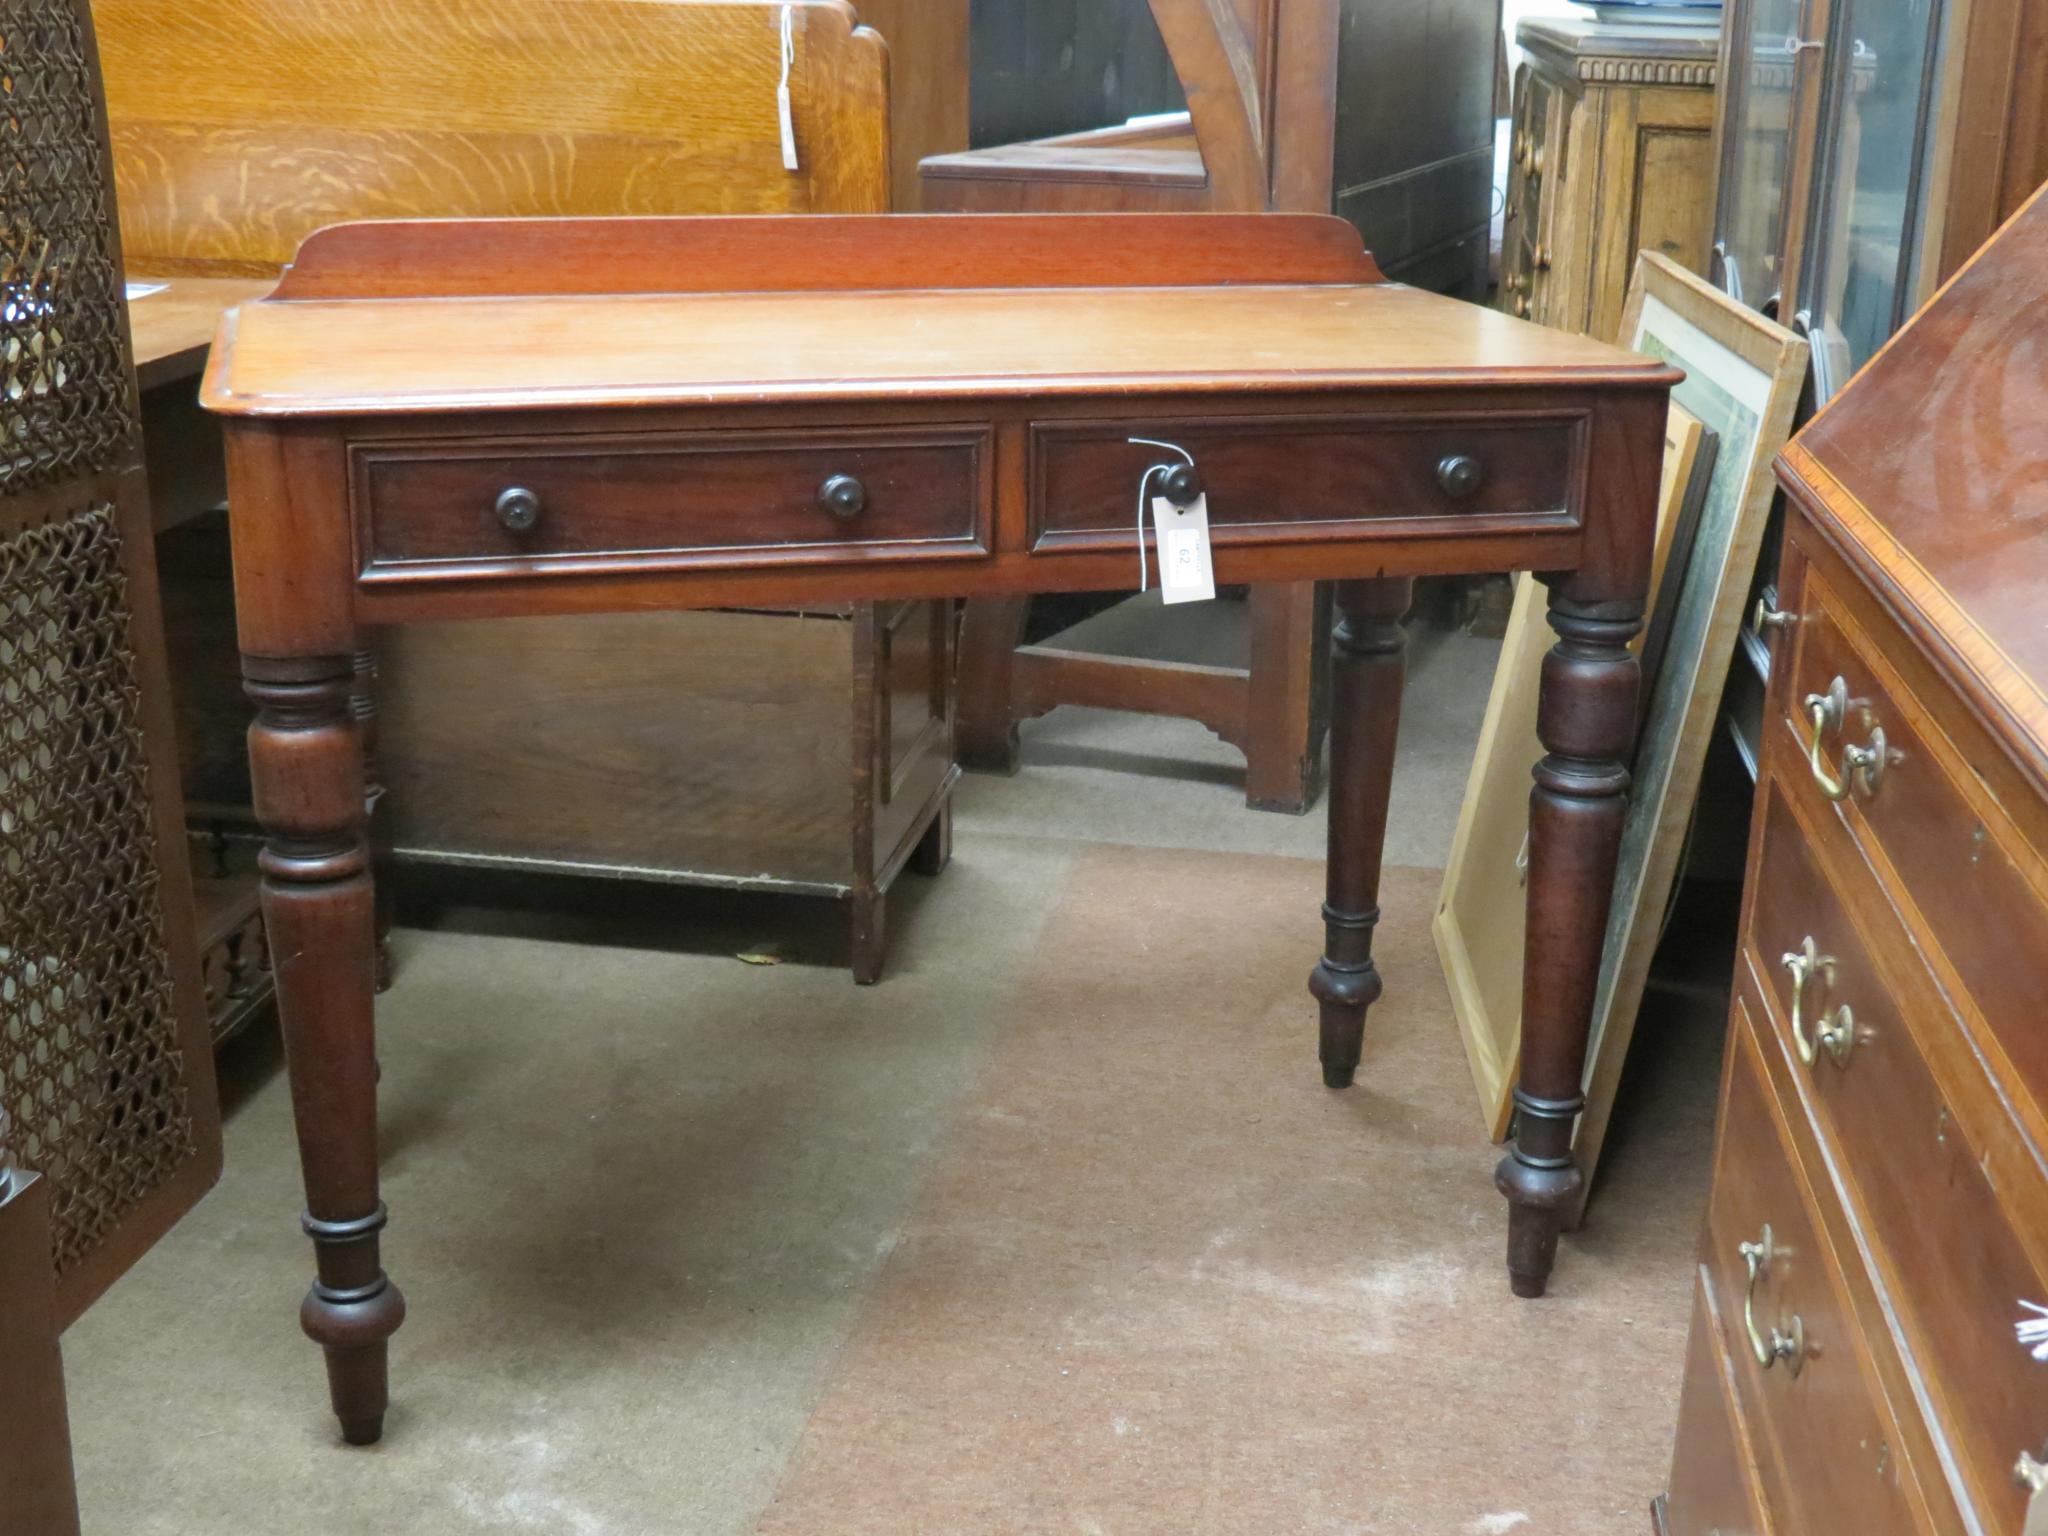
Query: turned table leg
[[306, 762], [1585, 718], [1366, 650]]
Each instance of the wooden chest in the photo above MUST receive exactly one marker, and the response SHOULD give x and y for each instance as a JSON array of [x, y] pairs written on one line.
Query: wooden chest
[[1611, 153], [1879, 1218]]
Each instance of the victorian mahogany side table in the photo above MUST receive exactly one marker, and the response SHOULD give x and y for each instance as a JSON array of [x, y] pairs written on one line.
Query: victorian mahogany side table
[[447, 419]]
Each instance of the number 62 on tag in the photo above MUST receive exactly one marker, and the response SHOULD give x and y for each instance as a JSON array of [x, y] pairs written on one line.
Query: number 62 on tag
[[1186, 574]]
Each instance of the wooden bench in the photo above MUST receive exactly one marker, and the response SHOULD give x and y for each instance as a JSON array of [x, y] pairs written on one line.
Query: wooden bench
[[560, 107]]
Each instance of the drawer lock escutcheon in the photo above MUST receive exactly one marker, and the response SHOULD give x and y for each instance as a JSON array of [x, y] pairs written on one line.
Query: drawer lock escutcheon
[[1833, 1033], [1788, 1346]]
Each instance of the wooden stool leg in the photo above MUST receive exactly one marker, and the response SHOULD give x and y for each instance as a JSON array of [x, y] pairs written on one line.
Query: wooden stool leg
[[1586, 720], [37, 1491], [306, 763], [985, 732], [1283, 712], [1365, 714], [867, 927], [934, 850]]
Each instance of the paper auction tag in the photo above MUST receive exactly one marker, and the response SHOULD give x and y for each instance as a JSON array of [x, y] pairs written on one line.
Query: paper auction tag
[[1182, 539]]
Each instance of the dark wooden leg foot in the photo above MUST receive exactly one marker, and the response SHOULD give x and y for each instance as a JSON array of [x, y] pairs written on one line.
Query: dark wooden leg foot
[[1365, 716], [934, 851], [320, 910], [1586, 719], [985, 731], [868, 935]]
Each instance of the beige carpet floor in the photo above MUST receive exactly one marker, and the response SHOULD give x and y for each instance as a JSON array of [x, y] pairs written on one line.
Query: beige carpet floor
[[1162, 1280], [1055, 1231]]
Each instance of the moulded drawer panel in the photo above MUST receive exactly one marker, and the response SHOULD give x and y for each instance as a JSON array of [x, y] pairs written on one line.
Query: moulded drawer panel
[[1830, 1446], [1277, 481], [1955, 866], [1713, 1479], [727, 498], [1916, 1174]]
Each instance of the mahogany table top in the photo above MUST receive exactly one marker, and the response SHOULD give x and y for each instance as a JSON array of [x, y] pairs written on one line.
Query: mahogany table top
[[890, 333]]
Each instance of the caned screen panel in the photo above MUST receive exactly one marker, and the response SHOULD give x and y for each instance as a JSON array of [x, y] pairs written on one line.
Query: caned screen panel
[[106, 1085]]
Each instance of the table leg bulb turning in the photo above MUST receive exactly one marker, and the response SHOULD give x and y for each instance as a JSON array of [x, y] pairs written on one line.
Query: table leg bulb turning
[[1367, 660], [305, 757], [1585, 719]]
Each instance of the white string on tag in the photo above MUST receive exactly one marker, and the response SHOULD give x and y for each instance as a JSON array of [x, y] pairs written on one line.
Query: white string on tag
[[782, 106], [1144, 481]]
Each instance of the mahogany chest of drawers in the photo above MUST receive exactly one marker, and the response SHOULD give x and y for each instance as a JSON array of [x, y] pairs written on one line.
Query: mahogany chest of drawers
[[1879, 1218]]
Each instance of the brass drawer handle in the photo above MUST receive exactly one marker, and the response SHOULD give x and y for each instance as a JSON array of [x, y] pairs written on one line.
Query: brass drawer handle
[[1824, 713], [1769, 618], [1834, 1033], [2032, 1477], [1788, 1347], [2030, 1474], [1862, 766]]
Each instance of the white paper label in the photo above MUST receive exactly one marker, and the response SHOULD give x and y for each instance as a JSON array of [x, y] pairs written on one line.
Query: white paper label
[[788, 119], [1182, 540], [785, 116]]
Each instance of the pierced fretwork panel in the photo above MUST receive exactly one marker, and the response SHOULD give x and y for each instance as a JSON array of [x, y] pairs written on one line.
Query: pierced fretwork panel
[[91, 1073], [65, 406]]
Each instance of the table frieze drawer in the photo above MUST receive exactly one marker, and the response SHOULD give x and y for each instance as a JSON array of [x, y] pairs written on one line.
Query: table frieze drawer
[[1280, 480], [676, 500], [1831, 1450], [1955, 863], [1934, 1178]]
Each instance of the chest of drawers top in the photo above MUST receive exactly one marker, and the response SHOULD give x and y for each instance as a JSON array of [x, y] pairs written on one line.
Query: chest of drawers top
[[1931, 473]]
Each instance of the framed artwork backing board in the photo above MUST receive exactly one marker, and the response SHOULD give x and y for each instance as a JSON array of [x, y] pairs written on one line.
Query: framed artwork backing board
[[1743, 376], [1477, 925]]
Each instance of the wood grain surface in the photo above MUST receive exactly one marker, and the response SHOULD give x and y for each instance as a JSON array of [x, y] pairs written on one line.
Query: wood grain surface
[[531, 107], [303, 355], [175, 324]]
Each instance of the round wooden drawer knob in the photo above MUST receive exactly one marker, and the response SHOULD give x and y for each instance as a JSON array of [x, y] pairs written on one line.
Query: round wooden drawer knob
[[518, 509], [1459, 474], [843, 496], [1181, 485]]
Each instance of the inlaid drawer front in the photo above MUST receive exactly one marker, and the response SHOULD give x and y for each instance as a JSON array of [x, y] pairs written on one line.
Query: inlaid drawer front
[[1713, 1480], [694, 498], [1908, 796], [1276, 481], [1827, 1440], [1859, 1033]]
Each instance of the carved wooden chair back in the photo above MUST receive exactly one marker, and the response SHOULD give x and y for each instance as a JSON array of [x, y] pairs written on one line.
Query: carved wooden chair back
[[1259, 135], [1261, 83], [378, 109]]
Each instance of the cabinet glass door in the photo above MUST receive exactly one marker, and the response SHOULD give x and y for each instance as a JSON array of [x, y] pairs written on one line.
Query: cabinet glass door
[[1861, 277], [1756, 155]]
